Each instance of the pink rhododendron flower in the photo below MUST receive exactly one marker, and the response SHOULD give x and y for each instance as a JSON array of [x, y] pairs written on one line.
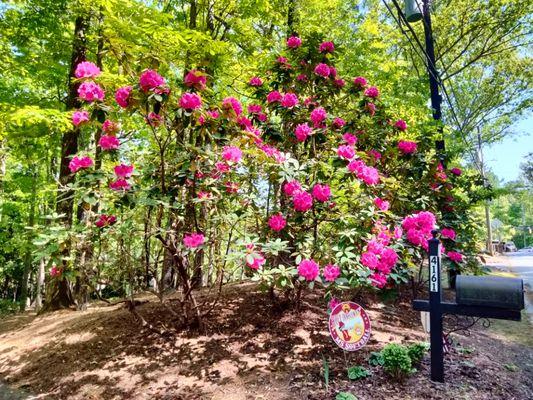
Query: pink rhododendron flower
[[372, 92], [274, 97], [258, 261], [318, 115], [322, 70], [371, 108], [302, 78], [86, 69], [204, 195], [105, 220], [332, 72], [190, 101], [289, 100], [78, 163], [389, 257], [294, 42], [254, 108], [378, 280], [232, 154], [331, 272], [340, 83], [456, 171], [79, 117], [369, 260], [193, 240], [222, 167], [360, 82], [292, 187], [55, 271], [407, 147], [338, 123], [321, 193], [455, 256], [401, 125], [398, 232], [346, 152], [374, 246], [150, 79], [381, 204], [368, 175], [90, 91], [326, 47], [349, 138], [244, 122], [123, 170], [302, 132], [122, 96], [119, 184], [213, 114], [108, 142], [302, 201], [281, 60], [195, 79], [255, 81], [308, 269], [448, 233], [277, 222], [231, 103]]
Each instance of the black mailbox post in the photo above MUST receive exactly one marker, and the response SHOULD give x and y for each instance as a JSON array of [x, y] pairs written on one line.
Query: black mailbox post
[[486, 297]]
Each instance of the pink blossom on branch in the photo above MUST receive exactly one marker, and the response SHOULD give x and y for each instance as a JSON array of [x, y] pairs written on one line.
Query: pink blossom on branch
[[456, 171], [455, 256], [274, 97], [372, 92], [401, 125], [302, 201], [150, 80], [322, 70], [289, 100], [196, 79], [90, 91], [122, 96], [371, 108], [190, 101], [360, 82], [79, 117], [193, 240], [308, 269], [232, 154], [292, 187], [349, 138], [346, 152], [331, 272], [110, 126], [78, 163], [119, 185], [86, 69], [294, 42], [277, 222], [448, 233], [338, 123], [321, 193], [255, 81], [302, 132], [318, 115], [123, 170], [383, 205], [378, 280], [326, 47], [407, 147], [108, 142], [232, 104], [105, 220]]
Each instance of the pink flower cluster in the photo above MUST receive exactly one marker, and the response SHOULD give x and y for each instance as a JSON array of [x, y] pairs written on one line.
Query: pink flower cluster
[[418, 228], [277, 222], [274, 97], [86, 69], [193, 240], [105, 220], [372, 92], [122, 172], [302, 132], [302, 201], [448, 233], [108, 142], [331, 272], [383, 205], [150, 80], [254, 258], [289, 100], [190, 101], [322, 70], [345, 151], [79, 117], [232, 154], [401, 125], [360, 82], [122, 96], [321, 193], [326, 47], [455, 256], [255, 81], [232, 104], [294, 42], [380, 259], [90, 91], [369, 175], [308, 269], [78, 163], [318, 116], [195, 79], [55, 271], [407, 147]]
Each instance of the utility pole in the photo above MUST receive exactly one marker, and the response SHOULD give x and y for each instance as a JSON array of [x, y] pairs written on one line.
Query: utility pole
[[436, 99], [487, 209]]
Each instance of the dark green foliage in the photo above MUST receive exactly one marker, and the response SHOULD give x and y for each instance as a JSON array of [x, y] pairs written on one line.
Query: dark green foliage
[[358, 372], [396, 361]]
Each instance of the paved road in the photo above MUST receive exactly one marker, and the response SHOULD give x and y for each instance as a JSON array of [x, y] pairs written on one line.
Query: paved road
[[521, 264]]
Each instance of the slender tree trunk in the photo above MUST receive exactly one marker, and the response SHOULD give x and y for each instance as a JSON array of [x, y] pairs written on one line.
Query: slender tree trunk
[[59, 293], [39, 288], [27, 256]]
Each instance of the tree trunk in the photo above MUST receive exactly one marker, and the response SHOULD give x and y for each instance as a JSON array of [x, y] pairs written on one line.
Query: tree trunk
[[27, 256], [39, 288], [59, 294]]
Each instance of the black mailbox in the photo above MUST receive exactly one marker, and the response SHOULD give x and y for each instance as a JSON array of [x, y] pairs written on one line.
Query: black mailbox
[[490, 291]]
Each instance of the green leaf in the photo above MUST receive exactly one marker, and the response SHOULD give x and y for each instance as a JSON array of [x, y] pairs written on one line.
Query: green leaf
[[345, 396]]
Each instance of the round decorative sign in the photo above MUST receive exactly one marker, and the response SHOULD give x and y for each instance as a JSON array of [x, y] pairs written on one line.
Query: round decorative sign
[[349, 326]]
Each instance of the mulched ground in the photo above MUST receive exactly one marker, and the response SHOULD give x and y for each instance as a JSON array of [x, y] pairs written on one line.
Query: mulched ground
[[247, 350]]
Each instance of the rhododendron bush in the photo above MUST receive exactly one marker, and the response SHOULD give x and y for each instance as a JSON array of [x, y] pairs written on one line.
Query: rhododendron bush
[[308, 180]]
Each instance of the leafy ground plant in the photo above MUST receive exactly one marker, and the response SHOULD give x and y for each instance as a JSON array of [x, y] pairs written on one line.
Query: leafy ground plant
[[358, 372], [396, 361]]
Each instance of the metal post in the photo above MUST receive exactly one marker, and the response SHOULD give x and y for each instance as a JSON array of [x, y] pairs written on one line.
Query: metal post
[[487, 208], [435, 310]]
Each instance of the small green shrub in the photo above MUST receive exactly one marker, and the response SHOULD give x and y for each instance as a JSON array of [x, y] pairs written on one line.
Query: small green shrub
[[8, 307], [358, 372], [376, 359], [396, 361], [416, 352]]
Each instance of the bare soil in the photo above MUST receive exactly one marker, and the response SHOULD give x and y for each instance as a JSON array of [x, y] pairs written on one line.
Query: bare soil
[[248, 350]]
